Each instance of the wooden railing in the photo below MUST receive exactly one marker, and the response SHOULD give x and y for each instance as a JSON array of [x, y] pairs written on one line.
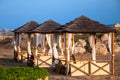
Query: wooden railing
[[90, 67], [44, 61]]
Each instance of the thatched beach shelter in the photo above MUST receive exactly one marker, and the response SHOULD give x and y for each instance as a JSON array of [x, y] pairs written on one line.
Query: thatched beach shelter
[[47, 27], [43, 36], [86, 25], [26, 28]]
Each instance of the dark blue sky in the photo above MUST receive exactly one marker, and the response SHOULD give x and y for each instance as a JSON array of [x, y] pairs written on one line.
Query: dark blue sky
[[15, 13]]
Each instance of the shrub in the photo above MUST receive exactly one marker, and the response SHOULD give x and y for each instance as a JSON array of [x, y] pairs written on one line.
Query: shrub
[[23, 73], [83, 36], [117, 32]]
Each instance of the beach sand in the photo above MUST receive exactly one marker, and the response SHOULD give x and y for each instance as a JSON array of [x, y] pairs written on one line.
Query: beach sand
[[6, 60]]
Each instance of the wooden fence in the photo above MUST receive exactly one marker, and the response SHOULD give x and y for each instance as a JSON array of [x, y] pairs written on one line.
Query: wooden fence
[[89, 67]]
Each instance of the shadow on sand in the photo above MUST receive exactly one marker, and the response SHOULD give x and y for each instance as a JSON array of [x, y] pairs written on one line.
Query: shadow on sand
[[10, 62]]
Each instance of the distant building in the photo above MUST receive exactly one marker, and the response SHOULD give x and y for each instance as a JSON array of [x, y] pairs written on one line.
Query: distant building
[[5, 34], [117, 25]]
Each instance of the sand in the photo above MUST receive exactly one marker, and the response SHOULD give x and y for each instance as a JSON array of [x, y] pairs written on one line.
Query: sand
[[6, 60]]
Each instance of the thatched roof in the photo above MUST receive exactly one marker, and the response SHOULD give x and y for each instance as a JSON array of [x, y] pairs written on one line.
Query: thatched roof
[[47, 27], [84, 25], [26, 28]]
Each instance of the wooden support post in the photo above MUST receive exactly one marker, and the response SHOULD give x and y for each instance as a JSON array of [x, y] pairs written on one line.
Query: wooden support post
[[45, 43], [90, 68], [35, 50], [52, 47], [51, 39], [18, 48], [73, 57], [29, 54], [94, 47], [113, 67], [95, 39], [53, 59], [51, 42], [18, 54], [62, 38], [15, 47], [72, 39], [66, 53]]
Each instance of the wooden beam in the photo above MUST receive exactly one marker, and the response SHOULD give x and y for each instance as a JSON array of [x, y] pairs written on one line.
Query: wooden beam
[[89, 68], [62, 38], [73, 57], [66, 53], [45, 43], [72, 39], [53, 59], [95, 46], [113, 62], [15, 46], [18, 53], [51, 41], [29, 54], [35, 50], [18, 48]]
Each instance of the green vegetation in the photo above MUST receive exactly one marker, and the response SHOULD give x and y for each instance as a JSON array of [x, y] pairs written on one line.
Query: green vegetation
[[83, 36], [23, 73], [99, 35], [117, 32]]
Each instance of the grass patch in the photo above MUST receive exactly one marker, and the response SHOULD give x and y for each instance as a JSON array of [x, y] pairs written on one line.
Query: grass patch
[[23, 73]]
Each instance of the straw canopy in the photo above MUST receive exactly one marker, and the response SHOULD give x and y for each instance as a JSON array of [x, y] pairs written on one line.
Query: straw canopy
[[84, 25], [26, 28], [47, 27]]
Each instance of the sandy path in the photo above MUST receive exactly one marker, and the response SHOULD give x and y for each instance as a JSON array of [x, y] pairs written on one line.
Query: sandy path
[[6, 60]]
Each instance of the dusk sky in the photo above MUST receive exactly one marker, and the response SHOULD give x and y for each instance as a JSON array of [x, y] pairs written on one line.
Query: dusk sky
[[15, 13]]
